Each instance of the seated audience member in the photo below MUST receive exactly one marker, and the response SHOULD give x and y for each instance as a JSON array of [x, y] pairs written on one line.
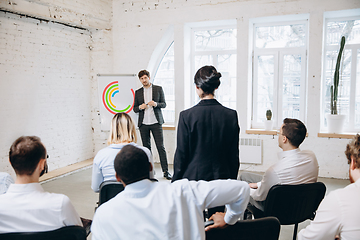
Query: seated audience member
[[339, 212], [5, 181], [122, 133], [26, 207], [162, 210], [295, 166]]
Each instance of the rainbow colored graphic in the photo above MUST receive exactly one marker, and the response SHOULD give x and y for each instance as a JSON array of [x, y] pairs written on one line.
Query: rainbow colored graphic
[[109, 92]]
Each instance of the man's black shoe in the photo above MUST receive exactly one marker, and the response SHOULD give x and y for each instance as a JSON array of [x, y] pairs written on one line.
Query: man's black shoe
[[167, 175]]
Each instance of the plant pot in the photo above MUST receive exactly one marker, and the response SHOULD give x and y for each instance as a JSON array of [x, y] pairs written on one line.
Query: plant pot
[[335, 123], [268, 124]]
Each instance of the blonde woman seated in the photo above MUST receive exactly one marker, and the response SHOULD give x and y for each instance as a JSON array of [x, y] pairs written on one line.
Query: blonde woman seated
[[122, 133]]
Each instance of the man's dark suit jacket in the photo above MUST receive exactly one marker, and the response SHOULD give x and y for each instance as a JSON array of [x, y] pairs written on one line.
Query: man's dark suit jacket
[[207, 143], [157, 96]]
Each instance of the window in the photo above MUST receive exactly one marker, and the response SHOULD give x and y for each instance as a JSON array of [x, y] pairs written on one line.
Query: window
[[217, 47], [279, 71], [164, 77], [349, 84]]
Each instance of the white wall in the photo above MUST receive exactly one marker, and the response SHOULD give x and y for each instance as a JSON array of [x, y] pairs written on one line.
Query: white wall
[[48, 75], [139, 26]]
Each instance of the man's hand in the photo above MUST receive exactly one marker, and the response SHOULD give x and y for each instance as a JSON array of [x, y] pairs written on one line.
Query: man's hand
[[152, 104], [143, 106], [253, 185], [218, 219]]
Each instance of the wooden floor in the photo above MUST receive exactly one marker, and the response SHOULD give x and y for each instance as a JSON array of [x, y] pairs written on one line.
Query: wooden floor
[[76, 185]]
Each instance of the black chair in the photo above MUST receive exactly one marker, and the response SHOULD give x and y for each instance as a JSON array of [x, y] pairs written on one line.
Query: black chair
[[64, 233], [292, 204], [257, 229], [108, 190]]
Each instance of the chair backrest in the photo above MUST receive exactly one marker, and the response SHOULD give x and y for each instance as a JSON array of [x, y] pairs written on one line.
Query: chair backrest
[[64, 233], [108, 190], [262, 228], [294, 203]]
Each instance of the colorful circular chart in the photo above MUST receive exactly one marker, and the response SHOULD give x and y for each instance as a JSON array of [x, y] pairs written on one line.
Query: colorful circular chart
[[109, 93]]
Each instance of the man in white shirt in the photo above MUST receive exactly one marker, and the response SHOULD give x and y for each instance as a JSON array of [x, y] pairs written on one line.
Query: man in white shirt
[[148, 103], [161, 210], [26, 207], [338, 214], [295, 166]]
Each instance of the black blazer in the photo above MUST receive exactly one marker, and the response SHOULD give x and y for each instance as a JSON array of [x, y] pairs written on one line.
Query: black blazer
[[157, 96], [207, 143]]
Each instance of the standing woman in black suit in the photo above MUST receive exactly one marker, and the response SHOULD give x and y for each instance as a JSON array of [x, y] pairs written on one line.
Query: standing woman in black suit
[[207, 135]]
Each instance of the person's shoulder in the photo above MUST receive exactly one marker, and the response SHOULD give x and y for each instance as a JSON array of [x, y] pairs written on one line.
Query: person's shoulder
[[145, 149], [140, 89], [308, 153], [227, 110], [56, 200], [156, 86], [102, 152]]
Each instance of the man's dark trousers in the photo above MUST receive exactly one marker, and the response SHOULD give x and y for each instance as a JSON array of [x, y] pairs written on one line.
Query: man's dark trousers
[[157, 133]]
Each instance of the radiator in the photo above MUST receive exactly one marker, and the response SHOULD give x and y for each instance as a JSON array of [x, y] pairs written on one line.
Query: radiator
[[250, 150]]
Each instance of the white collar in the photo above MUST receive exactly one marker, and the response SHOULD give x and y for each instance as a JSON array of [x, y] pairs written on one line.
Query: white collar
[[288, 153], [23, 188]]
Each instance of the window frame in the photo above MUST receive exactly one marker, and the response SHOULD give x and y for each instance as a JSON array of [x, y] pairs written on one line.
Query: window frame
[[354, 48], [158, 63], [279, 54], [215, 53]]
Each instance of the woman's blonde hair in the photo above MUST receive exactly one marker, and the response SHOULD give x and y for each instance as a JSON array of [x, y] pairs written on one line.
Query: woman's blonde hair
[[122, 129]]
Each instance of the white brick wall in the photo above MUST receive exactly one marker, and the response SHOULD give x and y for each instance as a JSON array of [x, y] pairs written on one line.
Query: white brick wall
[[45, 86], [101, 62]]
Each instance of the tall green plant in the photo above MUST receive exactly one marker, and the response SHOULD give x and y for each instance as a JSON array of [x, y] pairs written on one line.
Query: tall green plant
[[334, 88]]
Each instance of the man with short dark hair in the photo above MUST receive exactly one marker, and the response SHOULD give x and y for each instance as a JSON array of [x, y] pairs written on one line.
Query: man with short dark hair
[[339, 212], [161, 210], [26, 207], [295, 166], [148, 103]]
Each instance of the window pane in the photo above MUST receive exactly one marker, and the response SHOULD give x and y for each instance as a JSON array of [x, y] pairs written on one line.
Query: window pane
[[202, 61], [280, 36], [265, 86], [357, 101], [350, 29], [226, 93], [199, 62], [344, 83], [291, 86], [223, 39], [165, 78]]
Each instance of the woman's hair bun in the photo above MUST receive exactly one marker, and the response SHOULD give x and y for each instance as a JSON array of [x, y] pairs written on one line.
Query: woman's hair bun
[[208, 79]]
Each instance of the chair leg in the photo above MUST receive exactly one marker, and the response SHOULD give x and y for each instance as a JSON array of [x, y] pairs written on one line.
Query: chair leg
[[295, 231]]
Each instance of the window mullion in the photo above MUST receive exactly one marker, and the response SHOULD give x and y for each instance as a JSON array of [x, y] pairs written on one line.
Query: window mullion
[[278, 86], [352, 89], [255, 89]]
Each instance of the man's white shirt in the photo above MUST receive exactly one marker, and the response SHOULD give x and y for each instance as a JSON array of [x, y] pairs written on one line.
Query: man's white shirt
[[149, 115], [160, 210], [28, 208], [338, 214], [294, 167]]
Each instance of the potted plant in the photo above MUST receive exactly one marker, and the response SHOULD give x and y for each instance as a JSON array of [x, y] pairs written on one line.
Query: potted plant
[[335, 121], [268, 123]]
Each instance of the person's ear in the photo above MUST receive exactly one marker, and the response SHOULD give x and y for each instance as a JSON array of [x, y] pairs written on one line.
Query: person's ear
[[41, 164], [150, 167], [117, 177], [352, 163]]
